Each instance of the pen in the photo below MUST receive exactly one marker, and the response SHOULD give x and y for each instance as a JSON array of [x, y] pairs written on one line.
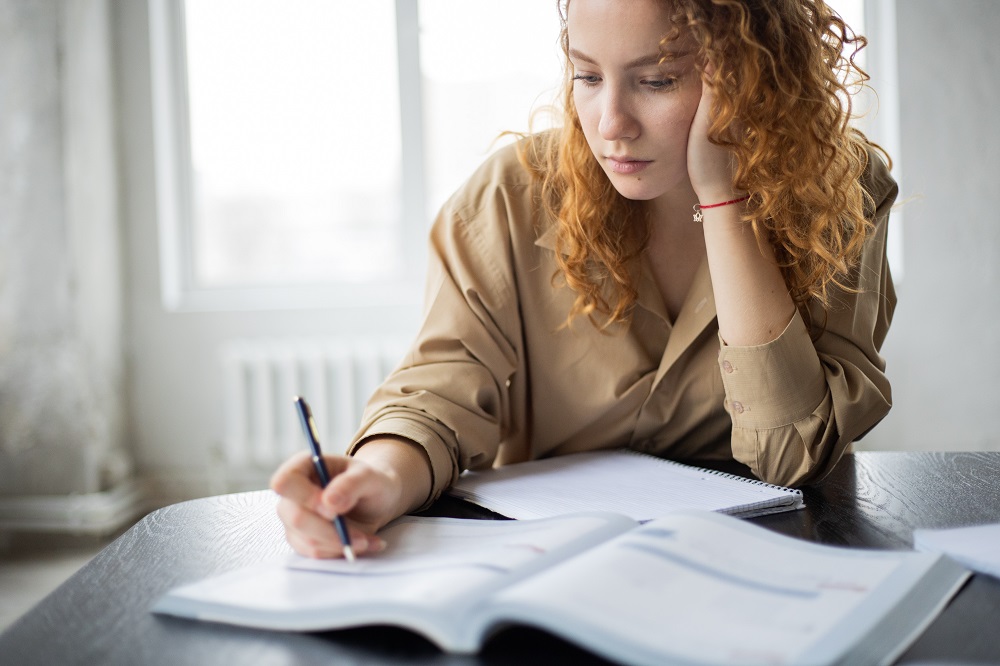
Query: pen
[[309, 428]]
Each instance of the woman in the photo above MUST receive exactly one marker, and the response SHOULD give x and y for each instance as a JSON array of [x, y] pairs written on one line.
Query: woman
[[693, 266]]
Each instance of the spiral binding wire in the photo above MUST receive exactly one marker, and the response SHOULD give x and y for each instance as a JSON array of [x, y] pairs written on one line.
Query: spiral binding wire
[[758, 508]]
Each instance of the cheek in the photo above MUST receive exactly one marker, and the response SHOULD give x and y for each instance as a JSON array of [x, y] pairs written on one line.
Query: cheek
[[585, 111], [676, 121]]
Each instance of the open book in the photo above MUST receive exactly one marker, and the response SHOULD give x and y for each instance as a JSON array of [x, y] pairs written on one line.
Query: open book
[[691, 587], [638, 485]]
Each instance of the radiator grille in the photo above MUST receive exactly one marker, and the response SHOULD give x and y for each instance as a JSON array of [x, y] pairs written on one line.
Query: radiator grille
[[336, 377]]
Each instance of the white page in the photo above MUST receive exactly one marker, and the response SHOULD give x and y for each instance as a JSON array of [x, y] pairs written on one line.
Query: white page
[[429, 563], [421, 545], [272, 589], [705, 590], [636, 485], [977, 546]]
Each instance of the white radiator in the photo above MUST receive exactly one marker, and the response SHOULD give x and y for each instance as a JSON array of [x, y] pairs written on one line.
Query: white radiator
[[336, 377]]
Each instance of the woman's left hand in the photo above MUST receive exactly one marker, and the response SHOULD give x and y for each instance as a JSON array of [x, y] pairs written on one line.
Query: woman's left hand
[[710, 167]]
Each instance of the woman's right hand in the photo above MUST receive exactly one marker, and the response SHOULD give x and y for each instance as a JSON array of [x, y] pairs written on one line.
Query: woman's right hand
[[370, 489]]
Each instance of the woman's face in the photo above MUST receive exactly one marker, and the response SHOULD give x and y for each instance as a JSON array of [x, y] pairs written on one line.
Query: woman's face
[[636, 113]]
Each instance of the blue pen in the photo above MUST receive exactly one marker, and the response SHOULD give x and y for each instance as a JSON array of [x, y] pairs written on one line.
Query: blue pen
[[309, 428]]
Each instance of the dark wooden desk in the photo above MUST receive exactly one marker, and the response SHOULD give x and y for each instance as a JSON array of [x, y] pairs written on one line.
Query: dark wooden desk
[[100, 615]]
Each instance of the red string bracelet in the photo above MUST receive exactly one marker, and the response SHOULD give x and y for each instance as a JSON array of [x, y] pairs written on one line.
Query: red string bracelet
[[699, 216]]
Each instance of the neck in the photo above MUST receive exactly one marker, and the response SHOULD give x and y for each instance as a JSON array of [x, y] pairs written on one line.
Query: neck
[[673, 211]]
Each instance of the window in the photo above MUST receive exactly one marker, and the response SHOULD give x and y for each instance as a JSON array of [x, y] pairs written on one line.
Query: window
[[478, 80], [295, 142], [305, 145], [878, 112]]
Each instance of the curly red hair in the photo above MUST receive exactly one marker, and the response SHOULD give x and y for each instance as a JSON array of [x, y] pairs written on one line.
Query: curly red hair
[[782, 105]]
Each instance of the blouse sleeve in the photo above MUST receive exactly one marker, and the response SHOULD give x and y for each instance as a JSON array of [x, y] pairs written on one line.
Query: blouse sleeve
[[797, 403], [454, 384]]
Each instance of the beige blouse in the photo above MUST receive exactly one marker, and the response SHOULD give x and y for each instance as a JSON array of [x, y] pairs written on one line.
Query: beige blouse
[[493, 377]]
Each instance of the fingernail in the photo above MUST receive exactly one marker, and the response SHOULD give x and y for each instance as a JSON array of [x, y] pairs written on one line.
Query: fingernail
[[332, 499], [376, 545], [326, 511]]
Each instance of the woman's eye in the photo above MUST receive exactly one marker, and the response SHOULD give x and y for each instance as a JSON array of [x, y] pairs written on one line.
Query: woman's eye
[[587, 79], [658, 84]]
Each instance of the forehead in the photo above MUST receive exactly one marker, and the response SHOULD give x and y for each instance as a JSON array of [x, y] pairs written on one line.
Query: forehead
[[619, 28]]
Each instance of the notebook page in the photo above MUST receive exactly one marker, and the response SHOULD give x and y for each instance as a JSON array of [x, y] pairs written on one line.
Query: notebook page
[[636, 485], [976, 546]]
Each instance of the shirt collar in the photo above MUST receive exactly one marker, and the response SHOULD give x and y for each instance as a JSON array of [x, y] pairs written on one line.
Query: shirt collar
[[697, 312]]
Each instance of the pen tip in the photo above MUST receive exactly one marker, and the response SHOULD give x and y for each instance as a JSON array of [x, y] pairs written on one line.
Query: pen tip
[[348, 553]]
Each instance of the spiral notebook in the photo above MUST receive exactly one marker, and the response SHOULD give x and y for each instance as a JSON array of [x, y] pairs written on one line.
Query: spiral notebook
[[635, 484]]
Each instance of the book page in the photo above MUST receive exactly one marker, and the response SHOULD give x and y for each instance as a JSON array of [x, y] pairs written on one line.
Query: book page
[[430, 565], [423, 545], [710, 589], [636, 485]]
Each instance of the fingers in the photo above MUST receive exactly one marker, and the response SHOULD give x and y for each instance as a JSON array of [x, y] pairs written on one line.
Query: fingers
[[356, 491], [702, 119], [711, 167], [295, 481], [312, 535]]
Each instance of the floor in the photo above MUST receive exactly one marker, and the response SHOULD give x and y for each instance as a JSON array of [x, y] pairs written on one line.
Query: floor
[[33, 565]]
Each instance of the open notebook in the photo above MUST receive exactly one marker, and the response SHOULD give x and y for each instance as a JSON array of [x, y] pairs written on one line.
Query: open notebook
[[637, 485], [693, 587]]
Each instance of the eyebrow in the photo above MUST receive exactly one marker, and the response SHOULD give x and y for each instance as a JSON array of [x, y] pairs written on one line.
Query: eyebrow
[[643, 61]]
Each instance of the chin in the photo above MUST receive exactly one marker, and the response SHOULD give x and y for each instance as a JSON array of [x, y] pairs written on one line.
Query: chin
[[636, 190]]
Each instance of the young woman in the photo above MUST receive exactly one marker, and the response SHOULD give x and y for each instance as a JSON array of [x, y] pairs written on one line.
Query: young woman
[[693, 266]]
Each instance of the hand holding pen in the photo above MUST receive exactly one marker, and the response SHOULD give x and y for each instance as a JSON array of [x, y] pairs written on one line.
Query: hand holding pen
[[385, 478], [309, 428]]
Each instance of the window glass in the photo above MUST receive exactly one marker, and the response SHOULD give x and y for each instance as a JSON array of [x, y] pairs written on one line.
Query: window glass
[[295, 145], [486, 66]]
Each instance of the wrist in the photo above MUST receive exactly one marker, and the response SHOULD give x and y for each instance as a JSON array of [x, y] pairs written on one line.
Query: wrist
[[405, 466], [733, 200]]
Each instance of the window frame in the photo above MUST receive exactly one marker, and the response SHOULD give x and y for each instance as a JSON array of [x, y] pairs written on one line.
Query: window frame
[[884, 126], [179, 290]]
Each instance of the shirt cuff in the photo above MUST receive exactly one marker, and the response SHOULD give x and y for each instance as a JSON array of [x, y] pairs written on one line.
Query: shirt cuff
[[774, 384], [442, 466]]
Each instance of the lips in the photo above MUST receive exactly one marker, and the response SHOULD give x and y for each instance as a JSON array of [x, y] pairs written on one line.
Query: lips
[[627, 165]]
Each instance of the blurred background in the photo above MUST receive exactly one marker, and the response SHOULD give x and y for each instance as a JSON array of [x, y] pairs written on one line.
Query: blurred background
[[207, 207]]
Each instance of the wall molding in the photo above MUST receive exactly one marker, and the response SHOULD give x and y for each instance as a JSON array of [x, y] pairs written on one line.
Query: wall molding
[[96, 514]]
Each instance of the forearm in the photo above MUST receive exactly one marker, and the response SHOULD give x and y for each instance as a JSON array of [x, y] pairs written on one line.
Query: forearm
[[751, 297]]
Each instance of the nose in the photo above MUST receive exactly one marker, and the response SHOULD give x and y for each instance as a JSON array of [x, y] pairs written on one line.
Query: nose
[[618, 121]]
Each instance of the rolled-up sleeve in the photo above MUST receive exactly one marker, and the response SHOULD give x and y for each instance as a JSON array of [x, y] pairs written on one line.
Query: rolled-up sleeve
[[453, 386], [798, 402]]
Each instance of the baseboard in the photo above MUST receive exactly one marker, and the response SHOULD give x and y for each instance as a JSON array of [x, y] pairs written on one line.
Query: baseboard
[[96, 514], [106, 512]]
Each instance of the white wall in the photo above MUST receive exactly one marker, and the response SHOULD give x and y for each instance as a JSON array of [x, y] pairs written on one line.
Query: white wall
[[943, 353], [61, 315]]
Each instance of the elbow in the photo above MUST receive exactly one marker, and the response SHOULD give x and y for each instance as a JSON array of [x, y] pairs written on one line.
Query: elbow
[[802, 475], [796, 455]]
